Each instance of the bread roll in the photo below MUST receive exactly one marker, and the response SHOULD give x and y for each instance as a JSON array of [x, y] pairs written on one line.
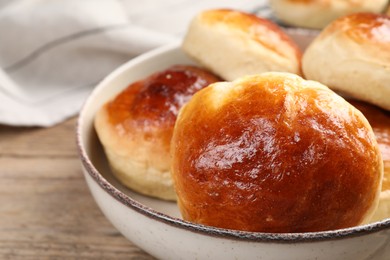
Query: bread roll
[[380, 122], [352, 55], [233, 44], [274, 153], [135, 128], [319, 13]]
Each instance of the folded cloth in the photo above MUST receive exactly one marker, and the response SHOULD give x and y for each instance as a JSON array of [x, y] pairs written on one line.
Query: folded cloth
[[53, 53]]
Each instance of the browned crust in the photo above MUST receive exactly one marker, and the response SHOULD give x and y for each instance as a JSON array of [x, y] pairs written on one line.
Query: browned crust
[[274, 159], [259, 29], [363, 28], [150, 106]]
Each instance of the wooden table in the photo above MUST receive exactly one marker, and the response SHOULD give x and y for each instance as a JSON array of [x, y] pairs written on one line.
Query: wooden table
[[46, 210]]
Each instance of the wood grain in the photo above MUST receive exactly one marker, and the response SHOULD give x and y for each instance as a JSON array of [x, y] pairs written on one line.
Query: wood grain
[[46, 209]]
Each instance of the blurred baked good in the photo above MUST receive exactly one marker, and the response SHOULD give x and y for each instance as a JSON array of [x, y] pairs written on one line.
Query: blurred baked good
[[274, 153], [135, 128], [233, 44], [352, 55], [319, 13], [380, 121]]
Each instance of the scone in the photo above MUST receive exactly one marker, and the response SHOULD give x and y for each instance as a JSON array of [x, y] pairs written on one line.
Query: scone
[[135, 128], [233, 44], [274, 153], [317, 14], [352, 56], [380, 122]]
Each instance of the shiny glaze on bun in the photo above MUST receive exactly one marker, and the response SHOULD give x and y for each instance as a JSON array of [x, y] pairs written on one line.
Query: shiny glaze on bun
[[135, 127], [274, 153], [364, 27], [154, 102]]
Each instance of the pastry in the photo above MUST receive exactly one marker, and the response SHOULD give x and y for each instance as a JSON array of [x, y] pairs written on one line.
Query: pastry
[[135, 128], [233, 44], [352, 56], [274, 153], [319, 13]]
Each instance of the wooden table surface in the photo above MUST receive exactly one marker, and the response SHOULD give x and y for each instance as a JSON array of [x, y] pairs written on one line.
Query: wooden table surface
[[46, 209]]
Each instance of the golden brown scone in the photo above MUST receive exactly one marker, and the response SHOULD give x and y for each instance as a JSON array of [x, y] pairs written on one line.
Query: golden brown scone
[[234, 44], [274, 153], [380, 121], [317, 14], [352, 55], [135, 128]]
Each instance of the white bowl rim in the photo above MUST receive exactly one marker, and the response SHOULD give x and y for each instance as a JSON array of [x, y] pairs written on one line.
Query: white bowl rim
[[193, 227]]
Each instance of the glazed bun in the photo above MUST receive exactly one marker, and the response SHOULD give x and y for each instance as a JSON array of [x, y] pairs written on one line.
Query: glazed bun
[[135, 128], [352, 55], [380, 121], [319, 13], [233, 44], [274, 153]]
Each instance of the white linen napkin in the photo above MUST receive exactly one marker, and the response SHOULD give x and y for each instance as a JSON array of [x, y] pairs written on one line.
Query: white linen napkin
[[53, 53]]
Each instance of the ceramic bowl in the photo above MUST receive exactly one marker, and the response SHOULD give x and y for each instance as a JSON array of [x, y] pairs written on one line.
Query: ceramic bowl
[[156, 226]]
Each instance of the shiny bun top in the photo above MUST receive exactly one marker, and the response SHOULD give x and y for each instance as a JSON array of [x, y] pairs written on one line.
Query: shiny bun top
[[153, 103], [362, 28], [274, 153]]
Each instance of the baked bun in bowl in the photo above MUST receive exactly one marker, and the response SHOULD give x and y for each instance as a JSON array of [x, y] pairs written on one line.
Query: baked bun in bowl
[[233, 44], [316, 14], [135, 128], [156, 226], [380, 121], [274, 153], [352, 56]]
